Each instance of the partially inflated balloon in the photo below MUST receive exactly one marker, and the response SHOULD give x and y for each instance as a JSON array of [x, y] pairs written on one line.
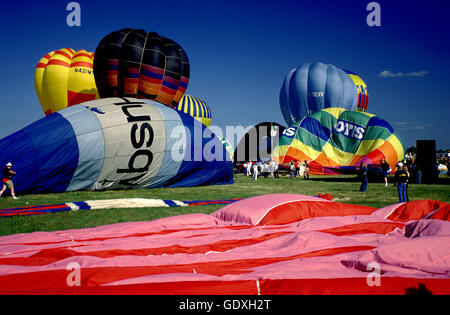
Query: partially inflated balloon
[[196, 108], [116, 143], [314, 86], [135, 63], [258, 142], [64, 78], [335, 141]]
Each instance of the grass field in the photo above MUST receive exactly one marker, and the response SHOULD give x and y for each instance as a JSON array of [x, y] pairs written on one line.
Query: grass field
[[345, 188]]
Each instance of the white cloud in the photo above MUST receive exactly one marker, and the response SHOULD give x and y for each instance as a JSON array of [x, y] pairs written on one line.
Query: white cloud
[[402, 125], [389, 74]]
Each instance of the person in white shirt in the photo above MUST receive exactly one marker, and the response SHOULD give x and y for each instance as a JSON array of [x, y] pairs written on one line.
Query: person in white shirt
[[249, 168], [255, 171]]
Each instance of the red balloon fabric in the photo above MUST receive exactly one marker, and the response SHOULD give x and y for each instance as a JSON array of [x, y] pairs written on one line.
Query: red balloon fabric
[[270, 244]]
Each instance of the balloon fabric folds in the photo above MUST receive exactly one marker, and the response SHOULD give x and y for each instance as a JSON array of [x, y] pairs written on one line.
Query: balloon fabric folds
[[134, 63], [196, 108], [335, 141], [115, 143], [64, 78], [314, 86]]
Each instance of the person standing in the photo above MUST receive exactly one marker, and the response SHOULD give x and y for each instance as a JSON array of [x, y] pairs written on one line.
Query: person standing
[[8, 174], [292, 169], [297, 168], [306, 173], [363, 177], [274, 166], [255, 171], [401, 179], [386, 170]]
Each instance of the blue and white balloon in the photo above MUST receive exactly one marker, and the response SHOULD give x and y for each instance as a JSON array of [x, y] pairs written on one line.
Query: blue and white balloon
[[115, 143]]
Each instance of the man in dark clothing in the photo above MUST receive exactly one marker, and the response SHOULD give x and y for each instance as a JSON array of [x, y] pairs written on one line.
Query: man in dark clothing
[[306, 173], [8, 174], [363, 176], [386, 170], [401, 178]]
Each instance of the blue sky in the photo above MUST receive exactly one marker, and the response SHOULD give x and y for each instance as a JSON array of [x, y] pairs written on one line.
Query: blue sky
[[241, 50]]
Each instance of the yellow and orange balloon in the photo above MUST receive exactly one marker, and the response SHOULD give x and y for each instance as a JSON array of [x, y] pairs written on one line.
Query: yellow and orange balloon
[[63, 78]]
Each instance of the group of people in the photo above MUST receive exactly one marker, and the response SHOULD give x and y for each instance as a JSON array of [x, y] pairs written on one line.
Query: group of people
[[271, 168], [401, 178], [261, 168], [297, 168]]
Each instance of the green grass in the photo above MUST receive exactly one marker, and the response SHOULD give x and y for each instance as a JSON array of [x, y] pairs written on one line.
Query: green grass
[[346, 188]]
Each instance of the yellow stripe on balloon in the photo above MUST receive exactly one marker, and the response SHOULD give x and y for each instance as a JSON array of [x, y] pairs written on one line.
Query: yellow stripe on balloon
[[335, 111], [305, 148], [369, 145], [338, 156], [63, 78]]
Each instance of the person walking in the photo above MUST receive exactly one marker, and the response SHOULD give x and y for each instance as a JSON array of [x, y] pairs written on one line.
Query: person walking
[[363, 177], [249, 168], [8, 174], [401, 178]]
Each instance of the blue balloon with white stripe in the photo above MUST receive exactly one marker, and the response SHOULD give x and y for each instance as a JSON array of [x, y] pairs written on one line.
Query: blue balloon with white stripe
[[115, 143]]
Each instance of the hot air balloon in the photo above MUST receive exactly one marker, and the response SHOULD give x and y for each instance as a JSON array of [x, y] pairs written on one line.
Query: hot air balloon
[[195, 107], [336, 141], [134, 63], [115, 143], [314, 86], [258, 142], [64, 78]]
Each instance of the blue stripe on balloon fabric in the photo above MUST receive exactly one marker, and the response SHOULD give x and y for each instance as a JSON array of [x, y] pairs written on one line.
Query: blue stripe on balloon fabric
[[349, 72], [132, 75], [375, 121], [284, 99], [206, 160], [333, 88], [171, 203], [91, 144], [44, 155], [317, 78], [152, 74], [82, 205], [170, 85], [299, 101], [316, 128], [194, 105]]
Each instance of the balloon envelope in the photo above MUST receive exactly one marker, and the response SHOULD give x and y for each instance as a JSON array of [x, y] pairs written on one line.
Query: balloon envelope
[[196, 108], [258, 142], [64, 78], [314, 86], [135, 63], [115, 143], [334, 140]]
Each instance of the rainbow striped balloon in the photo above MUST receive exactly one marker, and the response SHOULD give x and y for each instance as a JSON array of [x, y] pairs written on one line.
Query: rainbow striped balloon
[[64, 78], [335, 141], [196, 108]]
